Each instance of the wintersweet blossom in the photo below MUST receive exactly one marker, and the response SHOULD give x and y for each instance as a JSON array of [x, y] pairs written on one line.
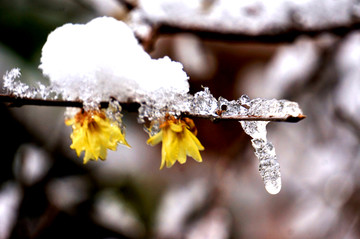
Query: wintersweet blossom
[[179, 140], [94, 133]]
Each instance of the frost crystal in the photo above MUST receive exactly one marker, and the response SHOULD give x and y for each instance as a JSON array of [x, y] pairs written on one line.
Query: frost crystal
[[15, 87], [163, 103], [269, 167], [22, 90], [204, 103], [231, 108], [103, 59]]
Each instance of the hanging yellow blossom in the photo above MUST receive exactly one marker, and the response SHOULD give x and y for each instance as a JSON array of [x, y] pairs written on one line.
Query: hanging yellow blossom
[[178, 140], [94, 133]]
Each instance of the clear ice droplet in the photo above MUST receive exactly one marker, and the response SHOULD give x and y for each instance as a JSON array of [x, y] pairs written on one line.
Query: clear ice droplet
[[269, 167], [245, 100]]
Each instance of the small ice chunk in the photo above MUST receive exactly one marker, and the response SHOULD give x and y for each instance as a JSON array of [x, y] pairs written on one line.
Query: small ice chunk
[[163, 103], [113, 112], [204, 103], [231, 108], [245, 100]]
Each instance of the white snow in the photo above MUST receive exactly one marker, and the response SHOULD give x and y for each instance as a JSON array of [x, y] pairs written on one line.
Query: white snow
[[103, 58]]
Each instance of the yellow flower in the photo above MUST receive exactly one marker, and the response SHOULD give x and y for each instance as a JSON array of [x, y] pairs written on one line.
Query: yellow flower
[[178, 140], [94, 133]]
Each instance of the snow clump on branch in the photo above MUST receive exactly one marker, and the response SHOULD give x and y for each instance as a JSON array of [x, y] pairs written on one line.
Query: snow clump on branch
[[101, 59]]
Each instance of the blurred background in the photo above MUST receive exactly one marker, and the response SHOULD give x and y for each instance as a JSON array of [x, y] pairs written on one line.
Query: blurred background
[[46, 191]]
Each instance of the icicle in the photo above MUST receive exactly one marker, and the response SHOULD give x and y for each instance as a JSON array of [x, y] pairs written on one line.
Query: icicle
[[269, 167]]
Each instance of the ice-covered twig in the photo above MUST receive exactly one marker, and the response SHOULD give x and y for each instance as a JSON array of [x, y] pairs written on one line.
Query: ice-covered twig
[[134, 106], [269, 167], [253, 115], [285, 118], [18, 102]]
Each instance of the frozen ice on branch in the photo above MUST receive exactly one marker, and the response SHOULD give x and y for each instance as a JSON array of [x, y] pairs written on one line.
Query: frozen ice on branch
[[204, 104], [269, 167]]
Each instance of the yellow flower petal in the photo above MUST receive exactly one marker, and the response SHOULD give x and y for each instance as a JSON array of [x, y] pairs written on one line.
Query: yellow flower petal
[[178, 142], [191, 147], [196, 141], [94, 133], [176, 127], [171, 147], [155, 139]]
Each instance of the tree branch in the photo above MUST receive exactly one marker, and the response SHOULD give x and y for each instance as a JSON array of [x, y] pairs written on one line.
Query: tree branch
[[287, 118], [266, 26], [14, 101], [133, 107], [288, 35]]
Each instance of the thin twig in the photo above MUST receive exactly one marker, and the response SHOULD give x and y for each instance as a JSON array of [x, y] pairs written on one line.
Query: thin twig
[[287, 118], [133, 107], [18, 102]]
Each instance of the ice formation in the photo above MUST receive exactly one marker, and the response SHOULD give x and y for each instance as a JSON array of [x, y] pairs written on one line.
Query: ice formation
[[269, 167], [15, 87], [103, 59], [22, 90], [203, 103]]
